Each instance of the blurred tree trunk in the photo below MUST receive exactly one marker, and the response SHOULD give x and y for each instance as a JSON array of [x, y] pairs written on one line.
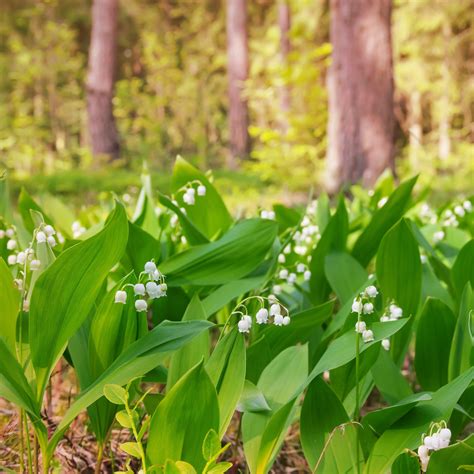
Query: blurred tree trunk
[[101, 78], [238, 68], [444, 144], [284, 22], [360, 84]]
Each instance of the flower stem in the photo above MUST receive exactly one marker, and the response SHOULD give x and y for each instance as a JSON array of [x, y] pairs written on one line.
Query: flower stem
[[357, 395]]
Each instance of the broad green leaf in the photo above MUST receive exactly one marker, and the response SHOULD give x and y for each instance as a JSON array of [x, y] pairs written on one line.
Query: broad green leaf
[[252, 399], [226, 293], [399, 277], [226, 369], [406, 432], [25, 204], [115, 394], [332, 239], [344, 274], [463, 268], [141, 247], [452, 458], [138, 359], [178, 467], [462, 343], [13, 384], [124, 419], [286, 217], [368, 242], [278, 383], [183, 419], [211, 445], [389, 380], [10, 301], [322, 411], [131, 448], [197, 349], [209, 213], [406, 463], [66, 291], [380, 420], [145, 216], [433, 343], [231, 257]]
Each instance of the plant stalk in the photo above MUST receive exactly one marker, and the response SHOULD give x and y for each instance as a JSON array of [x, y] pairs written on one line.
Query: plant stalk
[[357, 394]]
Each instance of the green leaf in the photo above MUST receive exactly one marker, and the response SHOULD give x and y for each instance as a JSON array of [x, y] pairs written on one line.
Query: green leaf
[[463, 268], [131, 448], [211, 445], [10, 299], [66, 291], [123, 419], [252, 399], [462, 344], [138, 359], [141, 247], [278, 383], [197, 349], [25, 204], [399, 277], [183, 419], [220, 468], [345, 274], [368, 242], [226, 369], [406, 463], [406, 432], [209, 214], [178, 467], [332, 239], [433, 343], [453, 458], [233, 256], [322, 411], [115, 394], [145, 216]]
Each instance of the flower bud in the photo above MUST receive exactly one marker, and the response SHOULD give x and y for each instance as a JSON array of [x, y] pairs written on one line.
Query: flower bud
[[368, 335], [35, 265], [371, 291], [307, 275], [445, 433], [262, 316], [121, 297], [51, 241], [163, 287], [2, 234], [40, 237], [283, 274], [277, 289], [139, 289], [357, 306], [292, 278], [281, 258], [201, 190], [300, 268], [428, 442], [368, 308], [360, 327], [21, 258], [191, 191], [278, 320], [141, 305], [10, 233], [152, 289], [12, 244], [467, 206], [26, 306], [275, 309], [386, 344], [49, 230], [286, 320], [150, 267], [384, 319], [395, 311], [11, 259]]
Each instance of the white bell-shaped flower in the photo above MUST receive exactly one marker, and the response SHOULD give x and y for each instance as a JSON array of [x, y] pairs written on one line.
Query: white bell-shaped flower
[[283, 274], [12, 244], [139, 289], [368, 308], [386, 344], [121, 296], [307, 275], [51, 241], [11, 260], [286, 320], [49, 229], [141, 305], [201, 190], [357, 306], [243, 325], [360, 327], [278, 320], [371, 291], [40, 237], [275, 309], [21, 258], [35, 265], [368, 335], [262, 316], [150, 267]]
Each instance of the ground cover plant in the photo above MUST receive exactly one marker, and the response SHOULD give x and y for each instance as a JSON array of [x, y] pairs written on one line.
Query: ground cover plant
[[208, 338]]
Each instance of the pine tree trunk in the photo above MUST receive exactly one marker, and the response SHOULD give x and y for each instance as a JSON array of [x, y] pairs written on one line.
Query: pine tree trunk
[[103, 133], [238, 67], [360, 85], [284, 22]]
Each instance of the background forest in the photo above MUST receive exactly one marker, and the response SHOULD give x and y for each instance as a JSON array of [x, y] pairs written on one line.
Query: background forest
[[170, 92]]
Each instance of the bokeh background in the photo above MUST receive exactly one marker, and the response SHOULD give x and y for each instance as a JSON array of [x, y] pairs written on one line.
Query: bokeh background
[[172, 62]]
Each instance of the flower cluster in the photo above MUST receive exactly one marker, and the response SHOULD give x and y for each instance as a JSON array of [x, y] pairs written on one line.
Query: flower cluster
[[151, 285], [392, 313], [77, 229], [48, 234], [363, 304], [267, 214], [452, 216], [439, 437], [277, 311], [190, 192]]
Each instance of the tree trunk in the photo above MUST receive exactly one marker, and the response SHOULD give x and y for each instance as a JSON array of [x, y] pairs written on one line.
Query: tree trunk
[[101, 78], [360, 85], [238, 67], [444, 144], [284, 22]]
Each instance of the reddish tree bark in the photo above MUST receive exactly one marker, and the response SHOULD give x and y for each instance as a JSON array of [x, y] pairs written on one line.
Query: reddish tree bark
[[360, 84], [238, 68], [103, 133]]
